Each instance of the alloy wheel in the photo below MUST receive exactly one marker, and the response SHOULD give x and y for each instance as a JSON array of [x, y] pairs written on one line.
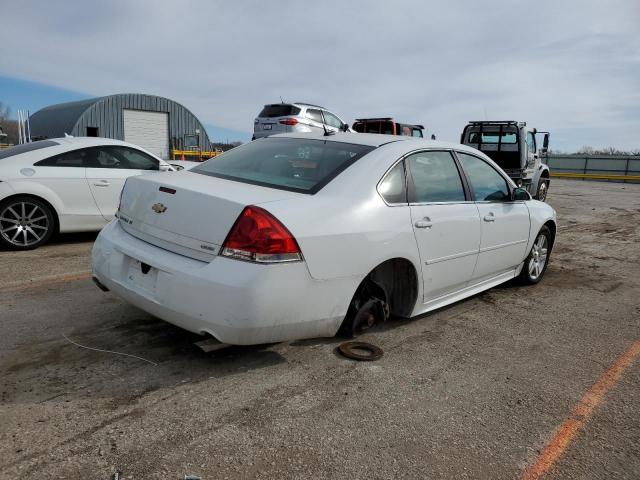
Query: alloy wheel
[[539, 254], [24, 223]]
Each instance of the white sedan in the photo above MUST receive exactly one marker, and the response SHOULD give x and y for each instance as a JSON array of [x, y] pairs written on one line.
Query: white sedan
[[297, 236], [64, 185]]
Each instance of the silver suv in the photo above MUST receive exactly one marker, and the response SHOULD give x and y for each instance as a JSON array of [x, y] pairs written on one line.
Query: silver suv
[[295, 117]]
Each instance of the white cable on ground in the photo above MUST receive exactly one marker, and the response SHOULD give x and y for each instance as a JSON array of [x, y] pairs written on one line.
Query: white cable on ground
[[109, 351]]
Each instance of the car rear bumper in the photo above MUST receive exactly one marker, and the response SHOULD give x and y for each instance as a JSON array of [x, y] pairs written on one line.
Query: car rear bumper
[[237, 302]]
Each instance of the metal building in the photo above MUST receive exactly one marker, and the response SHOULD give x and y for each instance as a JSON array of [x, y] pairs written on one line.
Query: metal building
[[157, 124]]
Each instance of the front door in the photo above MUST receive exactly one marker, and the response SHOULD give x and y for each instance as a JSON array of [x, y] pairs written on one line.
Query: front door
[[111, 166], [445, 223], [505, 223]]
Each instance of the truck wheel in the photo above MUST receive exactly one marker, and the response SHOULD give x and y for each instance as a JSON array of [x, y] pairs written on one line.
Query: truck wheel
[[536, 262], [543, 188]]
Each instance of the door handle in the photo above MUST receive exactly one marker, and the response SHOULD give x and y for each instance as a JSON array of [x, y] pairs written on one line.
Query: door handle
[[424, 223], [490, 217], [101, 183]]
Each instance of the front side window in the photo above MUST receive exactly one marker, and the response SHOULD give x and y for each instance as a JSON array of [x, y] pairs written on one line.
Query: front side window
[[487, 183], [75, 158], [393, 186], [295, 164], [123, 158], [531, 142], [416, 132], [331, 120], [434, 178]]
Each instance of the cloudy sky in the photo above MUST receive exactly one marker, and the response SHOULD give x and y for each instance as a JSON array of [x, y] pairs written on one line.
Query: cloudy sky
[[572, 67]]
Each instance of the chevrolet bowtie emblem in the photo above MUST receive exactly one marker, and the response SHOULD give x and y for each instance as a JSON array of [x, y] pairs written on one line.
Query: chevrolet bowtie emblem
[[158, 208]]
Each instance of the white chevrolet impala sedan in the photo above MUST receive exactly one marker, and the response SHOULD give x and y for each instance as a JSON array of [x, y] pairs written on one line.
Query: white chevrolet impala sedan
[[300, 236]]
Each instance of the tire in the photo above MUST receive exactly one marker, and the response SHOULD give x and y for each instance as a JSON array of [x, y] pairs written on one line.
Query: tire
[[543, 189], [25, 223], [535, 265]]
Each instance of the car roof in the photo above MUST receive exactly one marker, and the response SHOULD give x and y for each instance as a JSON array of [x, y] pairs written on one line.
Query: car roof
[[87, 141], [377, 140], [65, 144]]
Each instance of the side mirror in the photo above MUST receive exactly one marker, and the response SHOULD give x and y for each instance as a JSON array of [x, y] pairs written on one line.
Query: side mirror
[[345, 127], [164, 167], [520, 193], [545, 143]]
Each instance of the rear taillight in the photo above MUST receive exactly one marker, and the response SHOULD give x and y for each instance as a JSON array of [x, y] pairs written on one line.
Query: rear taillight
[[257, 236], [289, 121]]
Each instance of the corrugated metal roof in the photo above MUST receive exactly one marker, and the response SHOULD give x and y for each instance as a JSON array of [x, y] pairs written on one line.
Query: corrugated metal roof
[[56, 120], [105, 113]]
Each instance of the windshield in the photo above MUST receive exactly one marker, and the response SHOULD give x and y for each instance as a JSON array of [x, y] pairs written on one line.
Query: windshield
[[295, 164]]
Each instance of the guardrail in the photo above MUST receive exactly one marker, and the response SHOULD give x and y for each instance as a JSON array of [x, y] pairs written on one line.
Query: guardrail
[[617, 168]]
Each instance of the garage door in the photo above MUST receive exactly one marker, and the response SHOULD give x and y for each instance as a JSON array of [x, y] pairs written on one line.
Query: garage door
[[149, 130]]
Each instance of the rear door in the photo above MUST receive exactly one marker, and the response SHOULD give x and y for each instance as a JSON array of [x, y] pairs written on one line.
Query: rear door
[[110, 166], [445, 222], [65, 175], [314, 119], [505, 223]]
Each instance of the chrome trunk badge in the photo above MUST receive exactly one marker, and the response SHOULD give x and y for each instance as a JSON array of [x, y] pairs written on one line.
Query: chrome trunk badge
[[158, 208]]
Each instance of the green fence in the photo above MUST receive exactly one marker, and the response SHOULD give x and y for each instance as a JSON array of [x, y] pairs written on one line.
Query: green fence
[[621, 168]]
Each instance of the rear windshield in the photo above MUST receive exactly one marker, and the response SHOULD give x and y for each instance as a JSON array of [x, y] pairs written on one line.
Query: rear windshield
[[295, 164], [493, 137], [279, 110], [374, 126], [26, 147]]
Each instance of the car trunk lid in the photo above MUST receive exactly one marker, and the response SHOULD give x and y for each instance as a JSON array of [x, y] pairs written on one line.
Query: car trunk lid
[[187, 213]]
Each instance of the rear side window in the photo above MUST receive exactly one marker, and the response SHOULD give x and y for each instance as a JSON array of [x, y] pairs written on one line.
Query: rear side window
[[393, 185], [487, 183], [27, 147], [372, 127], [75, 158], [434, 178], [315, 115], [294, 164], [279, 110]]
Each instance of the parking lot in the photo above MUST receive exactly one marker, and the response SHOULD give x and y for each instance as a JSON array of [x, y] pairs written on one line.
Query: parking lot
[[476, 390]]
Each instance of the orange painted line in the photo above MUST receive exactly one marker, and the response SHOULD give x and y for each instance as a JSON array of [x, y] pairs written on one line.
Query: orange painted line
[[593, 398], [46, 282]]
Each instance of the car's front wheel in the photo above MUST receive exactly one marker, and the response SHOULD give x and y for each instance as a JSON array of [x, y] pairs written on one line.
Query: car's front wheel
[[25, 223], [536, 263]]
